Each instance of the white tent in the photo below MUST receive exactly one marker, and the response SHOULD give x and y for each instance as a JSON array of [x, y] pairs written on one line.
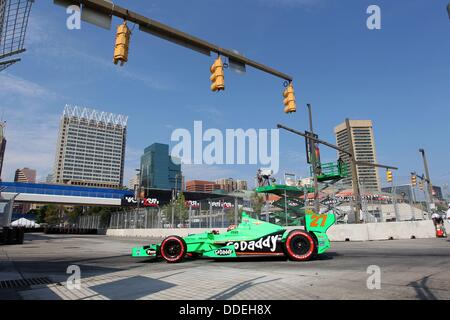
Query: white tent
[[22, 222]]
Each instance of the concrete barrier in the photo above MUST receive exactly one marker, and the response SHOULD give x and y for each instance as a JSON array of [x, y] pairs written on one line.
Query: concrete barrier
[[338, 232]]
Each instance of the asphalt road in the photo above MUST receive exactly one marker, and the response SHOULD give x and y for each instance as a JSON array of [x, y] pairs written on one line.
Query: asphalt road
[[408, 269]]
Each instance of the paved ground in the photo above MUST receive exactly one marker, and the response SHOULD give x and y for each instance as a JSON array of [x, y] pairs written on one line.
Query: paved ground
[[410, 269]]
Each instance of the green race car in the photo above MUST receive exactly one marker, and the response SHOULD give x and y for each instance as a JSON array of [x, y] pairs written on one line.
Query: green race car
[[250, 238]]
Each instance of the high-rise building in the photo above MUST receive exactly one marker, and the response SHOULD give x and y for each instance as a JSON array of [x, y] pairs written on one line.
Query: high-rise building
[[91, 148], [49, 178], [25, 175], [2, 146], [201, 186], [159, 170], [133, 182], [363, 142]]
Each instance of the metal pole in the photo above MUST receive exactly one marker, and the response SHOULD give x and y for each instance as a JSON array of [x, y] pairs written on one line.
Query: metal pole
[[236, 211], [427, 175], [173, 208], [145, 219], [394, 201], [312, 147], [210, 214], [161, 30], [159, 217], [355, 183], [285, 207], [411, 203], [223, 216], [190, 215]]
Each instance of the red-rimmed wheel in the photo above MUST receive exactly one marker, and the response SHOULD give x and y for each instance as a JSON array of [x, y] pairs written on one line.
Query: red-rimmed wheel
[[173, 249], [299, 245]]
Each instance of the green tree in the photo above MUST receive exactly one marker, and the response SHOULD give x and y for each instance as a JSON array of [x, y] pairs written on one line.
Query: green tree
[[257, 201], [182, 211], [52, 214]]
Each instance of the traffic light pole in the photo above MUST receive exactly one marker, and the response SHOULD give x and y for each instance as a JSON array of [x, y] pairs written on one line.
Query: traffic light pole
[[312, 147], [427, 176], [105, 9], [348, 152]]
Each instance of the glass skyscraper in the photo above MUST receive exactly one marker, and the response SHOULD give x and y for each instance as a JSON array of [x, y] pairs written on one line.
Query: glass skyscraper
[[159, 170]]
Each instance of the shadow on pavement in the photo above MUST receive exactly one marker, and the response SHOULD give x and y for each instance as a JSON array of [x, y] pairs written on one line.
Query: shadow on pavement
[[230, 292], [131, 288], [422, 290]]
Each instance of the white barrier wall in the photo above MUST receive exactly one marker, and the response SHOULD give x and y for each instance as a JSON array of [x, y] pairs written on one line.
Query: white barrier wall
[[339, 232]]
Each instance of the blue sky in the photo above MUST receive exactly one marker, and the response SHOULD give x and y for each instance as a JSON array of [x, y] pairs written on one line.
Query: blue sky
[[398, 76]]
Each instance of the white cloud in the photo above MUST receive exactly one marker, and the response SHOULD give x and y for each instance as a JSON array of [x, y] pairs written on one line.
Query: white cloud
[[31, 142], [209, 110], [15, 86], [58, 46]]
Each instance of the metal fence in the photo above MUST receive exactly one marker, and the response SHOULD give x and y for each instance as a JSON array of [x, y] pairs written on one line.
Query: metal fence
[[222, 212], [217, 213]]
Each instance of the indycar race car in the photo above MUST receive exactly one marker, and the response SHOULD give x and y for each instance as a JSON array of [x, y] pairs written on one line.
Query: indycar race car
[[250, 238]]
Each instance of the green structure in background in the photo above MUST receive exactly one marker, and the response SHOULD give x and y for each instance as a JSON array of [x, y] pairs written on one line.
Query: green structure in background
[[291, 203], [332, 171], [292, 198]]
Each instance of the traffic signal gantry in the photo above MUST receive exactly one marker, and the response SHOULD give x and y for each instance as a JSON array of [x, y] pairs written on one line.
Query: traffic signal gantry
[[122, 43], [217, 75], [289, 99]]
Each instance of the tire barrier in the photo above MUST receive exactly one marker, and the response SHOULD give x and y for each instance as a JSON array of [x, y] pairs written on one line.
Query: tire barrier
[[12, 236], [69, 230]]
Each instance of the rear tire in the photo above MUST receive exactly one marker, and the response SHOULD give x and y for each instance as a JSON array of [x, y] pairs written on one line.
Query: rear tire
[[300, 246], [173, 249]]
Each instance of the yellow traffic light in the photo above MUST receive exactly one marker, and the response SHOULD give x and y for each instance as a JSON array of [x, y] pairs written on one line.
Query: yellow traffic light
[[413, 180], [289, 99], [389, 175], [122, 43], [421, 185], [217, 75]]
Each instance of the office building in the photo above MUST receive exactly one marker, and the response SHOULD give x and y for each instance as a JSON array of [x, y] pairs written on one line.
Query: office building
[[241, 185], [2, 146], [133, 182], [201, 186], [49, 178], [91, 148], [25, 175], [159, 170], [230, 185], [363, 143], [227, 184], [437, 193]]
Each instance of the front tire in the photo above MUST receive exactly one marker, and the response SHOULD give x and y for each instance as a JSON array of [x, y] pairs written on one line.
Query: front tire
[[300, 246], [173, 249]]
